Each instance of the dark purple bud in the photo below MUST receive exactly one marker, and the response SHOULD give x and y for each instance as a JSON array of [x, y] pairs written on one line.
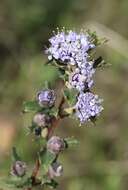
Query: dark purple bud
[[19, 169], [55, 145], [55, 170], [38, 131], [46, 98], [42, 120]]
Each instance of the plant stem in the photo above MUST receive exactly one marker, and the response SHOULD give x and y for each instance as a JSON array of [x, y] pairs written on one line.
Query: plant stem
[[36, 169]]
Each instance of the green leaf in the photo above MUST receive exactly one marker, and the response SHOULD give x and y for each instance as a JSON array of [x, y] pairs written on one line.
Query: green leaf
[[94, 38], [93, 119], [15, 155], [6, 185], [32, 127], [47, 159], [41, 141], [71, 141], [52, 184], [14, 183], [25, 182], [62, 74], [70, 95], [47, 84], [31, 106], [99, 62], [53, 112]]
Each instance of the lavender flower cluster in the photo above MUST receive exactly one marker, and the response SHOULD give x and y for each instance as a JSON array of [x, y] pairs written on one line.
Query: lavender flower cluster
[[88, 106], [70, 48], [73, 49]]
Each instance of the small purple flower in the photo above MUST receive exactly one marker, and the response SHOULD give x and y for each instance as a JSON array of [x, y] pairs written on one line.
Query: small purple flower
[[46, 98], [19, 169], [78, 81], [42, 120], [55, 170], [55, 145], [87, 106], [86, 67]]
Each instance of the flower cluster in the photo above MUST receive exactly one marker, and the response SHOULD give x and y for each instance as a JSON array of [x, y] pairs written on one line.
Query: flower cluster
[[74, 50], [88, 106], [69, 47]]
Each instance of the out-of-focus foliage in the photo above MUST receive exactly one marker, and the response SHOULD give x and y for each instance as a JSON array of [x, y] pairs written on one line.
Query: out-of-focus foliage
[[100, 162]]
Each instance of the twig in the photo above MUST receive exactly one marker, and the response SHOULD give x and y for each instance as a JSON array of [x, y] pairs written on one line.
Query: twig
[[36, 169], [56, 121]]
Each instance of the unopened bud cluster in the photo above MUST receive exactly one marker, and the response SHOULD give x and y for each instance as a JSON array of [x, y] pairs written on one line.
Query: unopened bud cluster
[[55, 144], [46, 99]]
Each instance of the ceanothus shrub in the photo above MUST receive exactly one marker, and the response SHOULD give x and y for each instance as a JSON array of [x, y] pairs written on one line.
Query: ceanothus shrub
[[73, 54]]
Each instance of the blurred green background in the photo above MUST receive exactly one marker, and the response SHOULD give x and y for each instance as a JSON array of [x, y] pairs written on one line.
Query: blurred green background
[[100, 162]]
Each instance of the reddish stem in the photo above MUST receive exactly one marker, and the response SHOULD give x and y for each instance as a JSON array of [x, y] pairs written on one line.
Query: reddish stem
[[36, 169], [55, 121]]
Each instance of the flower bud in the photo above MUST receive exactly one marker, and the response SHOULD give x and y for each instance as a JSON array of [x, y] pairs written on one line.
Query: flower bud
[[55, 170], [55, 144], [46, 98], [42, 120], [38, 131], [19, 169]]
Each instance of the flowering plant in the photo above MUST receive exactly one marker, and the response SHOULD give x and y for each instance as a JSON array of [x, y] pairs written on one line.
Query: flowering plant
[[74, 56]]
